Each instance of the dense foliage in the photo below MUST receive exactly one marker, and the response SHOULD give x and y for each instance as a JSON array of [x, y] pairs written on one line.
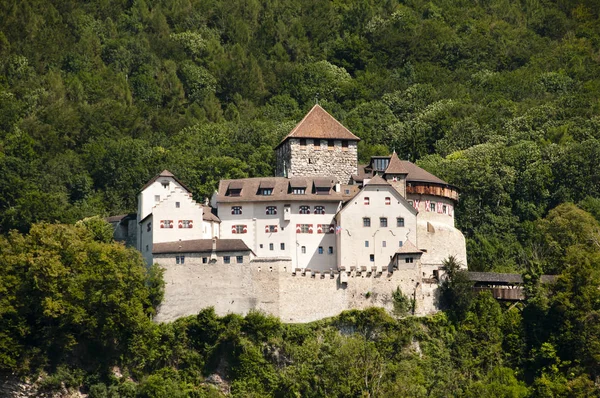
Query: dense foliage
[[78, 306], [499, 98]]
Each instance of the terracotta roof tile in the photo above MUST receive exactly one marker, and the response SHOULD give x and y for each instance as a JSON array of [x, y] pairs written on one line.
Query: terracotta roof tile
[[281, 190], [319, 124], [200, 246], [395, 166], [207, 214], [377, 180], [408, 248], [164, 173]]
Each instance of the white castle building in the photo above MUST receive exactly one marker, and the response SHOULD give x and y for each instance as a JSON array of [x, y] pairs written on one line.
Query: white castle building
[[323, 216]]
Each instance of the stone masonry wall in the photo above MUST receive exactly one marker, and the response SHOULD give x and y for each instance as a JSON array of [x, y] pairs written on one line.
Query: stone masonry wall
[[316, 158], [270, 286]]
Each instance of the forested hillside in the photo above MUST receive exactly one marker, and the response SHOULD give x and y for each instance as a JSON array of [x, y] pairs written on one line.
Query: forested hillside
[[500, 98]]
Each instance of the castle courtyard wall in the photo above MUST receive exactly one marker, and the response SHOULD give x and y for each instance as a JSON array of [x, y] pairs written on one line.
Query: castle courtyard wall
[[271, 286]]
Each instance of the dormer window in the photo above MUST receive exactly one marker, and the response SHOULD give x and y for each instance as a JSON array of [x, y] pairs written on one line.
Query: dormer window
[[299, 191], [298, 186], [266, 188], [235, 188], [322, 186], [165, 185]]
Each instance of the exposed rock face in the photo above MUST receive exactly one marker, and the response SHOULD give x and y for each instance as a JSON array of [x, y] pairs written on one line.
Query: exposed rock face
[[318, 158]]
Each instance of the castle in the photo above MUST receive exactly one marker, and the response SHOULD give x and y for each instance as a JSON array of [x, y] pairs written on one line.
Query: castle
[[324, 235]]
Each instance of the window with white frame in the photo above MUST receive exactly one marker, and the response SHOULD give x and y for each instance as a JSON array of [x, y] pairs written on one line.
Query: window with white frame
[[298, 191], [304, 210], [366, 222], [166, 223], [237, 210], [366, 243], [239, 229], [319, 209], [265, 191], [305, 229], [383, 222], [186, 224], [271, 210], [400, 222]]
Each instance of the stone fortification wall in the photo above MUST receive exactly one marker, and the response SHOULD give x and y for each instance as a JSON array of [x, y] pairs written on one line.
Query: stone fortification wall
[[318, 158], [271, 286]]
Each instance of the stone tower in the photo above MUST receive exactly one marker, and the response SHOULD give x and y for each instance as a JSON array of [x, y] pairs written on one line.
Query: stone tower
[[318, 146]]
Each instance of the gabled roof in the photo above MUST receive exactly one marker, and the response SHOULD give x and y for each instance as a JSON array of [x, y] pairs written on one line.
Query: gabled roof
[[164, 173], [377, 180], [207, 214], [417, 174], [395, 166], [319, 124], [282, 190], [408, 248], [200, 246]]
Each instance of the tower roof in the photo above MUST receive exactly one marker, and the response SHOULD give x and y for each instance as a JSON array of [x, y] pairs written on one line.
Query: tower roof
[[321, 125], [395, 166], [377, 180], [164, 173]]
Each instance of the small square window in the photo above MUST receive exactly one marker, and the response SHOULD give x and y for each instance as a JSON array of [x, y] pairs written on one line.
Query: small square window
[[156, 198], [303, 249], [320, 249], [400, 222], [260, 246], [371, 257], [177, 205], [383, 244], [408, 259], [270, 246], [400, 244], [182, 259], [226, 259], [366, 222], [204, 260], [282, 246], [366, 243], [239, 259], [330, 250], [383, 222]]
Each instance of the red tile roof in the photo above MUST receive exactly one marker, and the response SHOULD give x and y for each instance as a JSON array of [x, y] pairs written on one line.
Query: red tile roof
[[321, 125], [200, 246]]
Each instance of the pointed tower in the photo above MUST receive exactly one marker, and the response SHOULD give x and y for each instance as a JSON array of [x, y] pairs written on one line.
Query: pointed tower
[[318, 146]]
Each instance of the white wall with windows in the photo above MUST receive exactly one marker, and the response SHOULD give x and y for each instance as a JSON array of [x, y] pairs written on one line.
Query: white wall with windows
[[374, 224], [272, 232]]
